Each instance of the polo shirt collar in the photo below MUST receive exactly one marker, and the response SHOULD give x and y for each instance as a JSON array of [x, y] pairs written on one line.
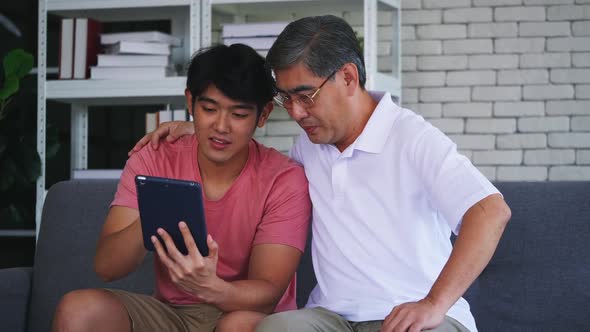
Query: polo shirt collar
[[374, 135]]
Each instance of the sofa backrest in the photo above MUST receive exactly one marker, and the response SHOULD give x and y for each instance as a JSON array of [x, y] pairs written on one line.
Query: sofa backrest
[[539, 276], [538, 279], [73, 215]]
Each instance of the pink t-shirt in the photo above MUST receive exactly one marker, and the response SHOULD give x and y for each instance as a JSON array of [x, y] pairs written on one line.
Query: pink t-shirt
[[267, 204]]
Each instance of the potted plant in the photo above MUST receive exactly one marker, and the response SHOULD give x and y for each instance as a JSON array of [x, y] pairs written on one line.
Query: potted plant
[[20, 165]]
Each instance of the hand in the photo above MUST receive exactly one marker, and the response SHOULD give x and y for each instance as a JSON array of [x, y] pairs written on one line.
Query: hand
[[171, 131], [413, 317], [193, 273]]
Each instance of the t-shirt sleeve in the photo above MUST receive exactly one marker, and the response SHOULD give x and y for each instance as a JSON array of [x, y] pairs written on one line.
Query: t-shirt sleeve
[[453, 184], [126, 194], [287, 211]]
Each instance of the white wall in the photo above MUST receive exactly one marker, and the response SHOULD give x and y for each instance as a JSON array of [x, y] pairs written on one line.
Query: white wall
[[507, 80]]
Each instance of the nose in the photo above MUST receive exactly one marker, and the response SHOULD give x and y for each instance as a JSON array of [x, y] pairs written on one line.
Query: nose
[[298, 112], [221, 123]]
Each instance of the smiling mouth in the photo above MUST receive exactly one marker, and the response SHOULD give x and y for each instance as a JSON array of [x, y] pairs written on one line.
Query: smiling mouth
[[218, 143]]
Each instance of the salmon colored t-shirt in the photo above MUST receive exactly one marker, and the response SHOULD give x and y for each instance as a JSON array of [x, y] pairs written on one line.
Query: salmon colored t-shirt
[[267, 204]]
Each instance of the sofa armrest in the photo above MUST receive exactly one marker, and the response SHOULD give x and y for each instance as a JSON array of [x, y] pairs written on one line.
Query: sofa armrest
[[15, 290]]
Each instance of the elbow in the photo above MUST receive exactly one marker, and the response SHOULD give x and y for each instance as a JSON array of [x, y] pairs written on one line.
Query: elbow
[[505, 213], [102, 271]]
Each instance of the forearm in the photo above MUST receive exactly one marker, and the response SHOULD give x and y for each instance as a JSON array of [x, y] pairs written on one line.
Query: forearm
[[251, 295], [480, 233], [120, 253]]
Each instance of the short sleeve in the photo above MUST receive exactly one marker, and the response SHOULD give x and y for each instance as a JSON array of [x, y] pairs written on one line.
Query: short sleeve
[[454, 185], [126, 194], [287, 211]]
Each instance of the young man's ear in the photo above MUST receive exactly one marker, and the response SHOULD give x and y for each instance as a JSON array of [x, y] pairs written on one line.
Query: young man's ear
[[265, 114], [351, 77], [189, 101]]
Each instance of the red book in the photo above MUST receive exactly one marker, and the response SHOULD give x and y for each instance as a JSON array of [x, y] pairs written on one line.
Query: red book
[[86, 46]]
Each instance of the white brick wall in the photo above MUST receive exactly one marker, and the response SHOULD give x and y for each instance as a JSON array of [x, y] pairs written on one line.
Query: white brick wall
[[510, 109], [521, 141], [508, 80]]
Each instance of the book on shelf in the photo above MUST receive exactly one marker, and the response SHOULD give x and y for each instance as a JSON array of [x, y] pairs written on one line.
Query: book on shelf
[[123, 60], [131, 73], [130, 47], [140, 36], [263, 29], [86, 46], [96, 173], [257, 43], [66, 48], [153, 120]]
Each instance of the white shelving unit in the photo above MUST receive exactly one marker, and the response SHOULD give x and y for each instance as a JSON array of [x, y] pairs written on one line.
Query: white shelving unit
[[184, 16], [192, 21], [374, 12]]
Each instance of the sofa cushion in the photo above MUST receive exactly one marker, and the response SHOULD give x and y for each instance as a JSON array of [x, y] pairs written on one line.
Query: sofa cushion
[[538, 278], [73, 215]]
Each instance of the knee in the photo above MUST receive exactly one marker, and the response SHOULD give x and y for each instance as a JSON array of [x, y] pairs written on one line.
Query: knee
[[239, 321], [274, 323], [77, 309]]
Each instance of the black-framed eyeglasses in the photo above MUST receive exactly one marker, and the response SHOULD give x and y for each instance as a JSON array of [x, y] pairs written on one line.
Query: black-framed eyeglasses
[[286, 100]]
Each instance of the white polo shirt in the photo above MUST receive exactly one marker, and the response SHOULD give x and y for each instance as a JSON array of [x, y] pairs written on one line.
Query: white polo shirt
[[383, 211]]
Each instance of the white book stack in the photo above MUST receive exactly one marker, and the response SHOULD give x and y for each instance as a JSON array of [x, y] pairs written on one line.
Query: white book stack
[[259, 36], [153, 120], [135, 56]]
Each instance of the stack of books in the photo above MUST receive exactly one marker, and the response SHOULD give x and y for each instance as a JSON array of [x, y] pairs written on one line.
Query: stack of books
[[79, 45], [259, 36], [135, 56], [153, 120]]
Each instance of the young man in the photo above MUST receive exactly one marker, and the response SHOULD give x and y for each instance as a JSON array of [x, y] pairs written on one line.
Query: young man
[[257, 211], [387, 190]]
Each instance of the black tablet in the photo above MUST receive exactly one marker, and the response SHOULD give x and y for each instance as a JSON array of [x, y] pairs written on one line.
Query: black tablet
[[163, 203]]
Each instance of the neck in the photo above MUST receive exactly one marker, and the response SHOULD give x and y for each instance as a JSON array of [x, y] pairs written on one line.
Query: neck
[[226, 172], [360, 111]]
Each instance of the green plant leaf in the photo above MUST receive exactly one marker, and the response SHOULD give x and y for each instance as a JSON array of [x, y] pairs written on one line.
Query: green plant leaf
[[17, 63], [10, 87]]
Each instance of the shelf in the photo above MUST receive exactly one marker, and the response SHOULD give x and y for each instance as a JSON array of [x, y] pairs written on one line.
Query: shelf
[[169, 90], [287, 7], [66, 5], [17, 232], [115, 11]]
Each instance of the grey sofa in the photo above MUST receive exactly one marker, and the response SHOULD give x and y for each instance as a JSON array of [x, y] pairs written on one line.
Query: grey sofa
[[538, 280]]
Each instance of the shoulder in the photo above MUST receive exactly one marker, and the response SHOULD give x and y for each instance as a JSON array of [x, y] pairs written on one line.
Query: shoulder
[[272, 164], [149, 156]]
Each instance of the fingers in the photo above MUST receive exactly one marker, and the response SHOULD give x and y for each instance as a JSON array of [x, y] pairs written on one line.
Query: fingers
[[164, 258], [173, 252], [160, 132], [189, 241], [213, 247], [140, 144]]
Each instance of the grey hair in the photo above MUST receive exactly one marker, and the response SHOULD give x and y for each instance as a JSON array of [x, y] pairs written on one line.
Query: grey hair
[[322, 43]]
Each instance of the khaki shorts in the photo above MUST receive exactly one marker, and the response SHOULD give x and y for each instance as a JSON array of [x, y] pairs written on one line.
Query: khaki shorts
[[320, 319], [149, 314]]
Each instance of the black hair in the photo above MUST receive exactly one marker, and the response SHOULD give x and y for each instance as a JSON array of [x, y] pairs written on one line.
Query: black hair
[[237, 71]]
